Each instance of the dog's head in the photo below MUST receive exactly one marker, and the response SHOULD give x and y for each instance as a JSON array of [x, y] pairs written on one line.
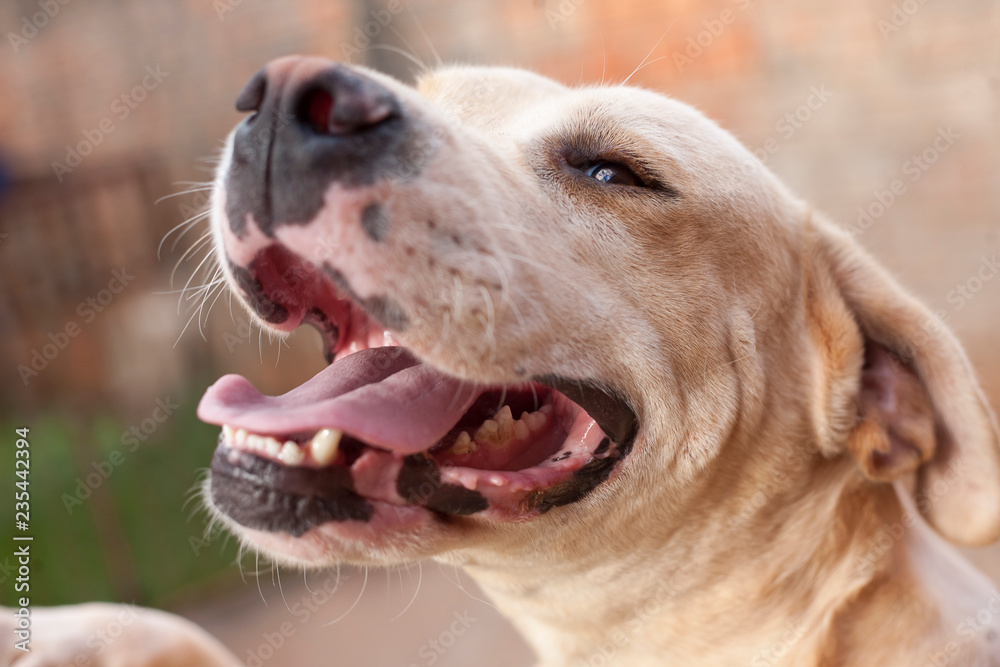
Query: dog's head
[[550, 311]]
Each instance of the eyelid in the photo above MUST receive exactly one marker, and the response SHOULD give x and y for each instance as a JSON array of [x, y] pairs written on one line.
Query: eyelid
[[581, 160], [585, 165], [573, 152]]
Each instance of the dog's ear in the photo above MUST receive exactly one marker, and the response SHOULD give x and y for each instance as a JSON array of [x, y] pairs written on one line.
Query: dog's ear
[[899, 392]]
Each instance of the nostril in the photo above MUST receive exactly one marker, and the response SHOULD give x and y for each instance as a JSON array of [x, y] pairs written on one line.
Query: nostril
[[252, 95], [341, 103], [316, 107]]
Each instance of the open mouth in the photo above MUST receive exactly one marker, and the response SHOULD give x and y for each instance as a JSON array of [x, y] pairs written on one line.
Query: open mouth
[[378, 430]]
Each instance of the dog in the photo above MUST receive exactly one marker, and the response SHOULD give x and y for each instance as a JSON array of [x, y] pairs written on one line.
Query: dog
[[586, 346]]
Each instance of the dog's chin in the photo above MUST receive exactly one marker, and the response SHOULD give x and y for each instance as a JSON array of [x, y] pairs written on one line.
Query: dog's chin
[[381, 450], [396, 535]]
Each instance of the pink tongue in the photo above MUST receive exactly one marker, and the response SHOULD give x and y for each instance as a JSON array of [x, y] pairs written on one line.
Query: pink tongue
[[382, 396]]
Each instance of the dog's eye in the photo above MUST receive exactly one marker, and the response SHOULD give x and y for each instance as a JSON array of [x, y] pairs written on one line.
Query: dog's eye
[[612, 173]]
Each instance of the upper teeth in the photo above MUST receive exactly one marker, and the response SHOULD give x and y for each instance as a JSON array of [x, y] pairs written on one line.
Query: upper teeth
[[464, 444], [324, 445], [291, 454], [497, 432], [251, 441], [504, 429]]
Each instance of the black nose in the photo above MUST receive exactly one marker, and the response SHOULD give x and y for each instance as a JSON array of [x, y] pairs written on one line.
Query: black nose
[[314, 122], [335, 100]]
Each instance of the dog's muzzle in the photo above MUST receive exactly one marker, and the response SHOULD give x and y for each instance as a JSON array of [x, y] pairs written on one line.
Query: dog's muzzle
[[379, 434], [312, 123]]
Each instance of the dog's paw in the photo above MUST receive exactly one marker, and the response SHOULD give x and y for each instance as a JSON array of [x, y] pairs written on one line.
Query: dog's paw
[[109, 635]]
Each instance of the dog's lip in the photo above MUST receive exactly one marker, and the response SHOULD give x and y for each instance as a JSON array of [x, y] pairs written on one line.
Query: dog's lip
[[296, 499], [402, 418], [341, 395]]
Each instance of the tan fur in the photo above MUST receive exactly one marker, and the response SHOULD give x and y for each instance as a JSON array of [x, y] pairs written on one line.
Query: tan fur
[[772, 512]]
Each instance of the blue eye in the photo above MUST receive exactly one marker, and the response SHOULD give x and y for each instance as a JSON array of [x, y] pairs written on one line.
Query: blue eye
[[612, 173]]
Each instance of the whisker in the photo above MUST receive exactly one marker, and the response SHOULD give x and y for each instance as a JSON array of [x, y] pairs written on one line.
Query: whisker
[[187, 225], [257, 573], [403, 52], [195, 247], [650, 53], [427, 39], [490, 332], [181, 291], [420, 579], [533, 263], [206, 188], [423, 65], [344, 615], [219, 292], [208, 256]]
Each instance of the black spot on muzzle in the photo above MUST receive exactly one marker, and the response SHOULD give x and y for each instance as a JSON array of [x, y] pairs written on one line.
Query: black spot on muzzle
[[380, 308], [307, 132], [375, 222]]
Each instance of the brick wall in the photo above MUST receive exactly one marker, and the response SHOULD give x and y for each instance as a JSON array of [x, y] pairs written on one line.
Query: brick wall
[[891, 81]]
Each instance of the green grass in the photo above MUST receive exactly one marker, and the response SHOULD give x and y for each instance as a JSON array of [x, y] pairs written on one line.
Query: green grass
[[133, 538]]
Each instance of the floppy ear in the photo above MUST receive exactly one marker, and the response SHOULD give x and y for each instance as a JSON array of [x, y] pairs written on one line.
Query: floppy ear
[[899, 392]]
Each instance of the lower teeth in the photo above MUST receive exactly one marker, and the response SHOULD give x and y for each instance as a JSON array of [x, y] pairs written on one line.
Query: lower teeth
[[501, 430]]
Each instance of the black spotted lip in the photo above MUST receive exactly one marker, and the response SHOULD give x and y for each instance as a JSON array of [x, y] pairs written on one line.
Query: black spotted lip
[[563, 456], [407, 436]]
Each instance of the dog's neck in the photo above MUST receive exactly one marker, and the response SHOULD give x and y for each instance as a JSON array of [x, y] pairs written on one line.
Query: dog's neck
[[737, 575]]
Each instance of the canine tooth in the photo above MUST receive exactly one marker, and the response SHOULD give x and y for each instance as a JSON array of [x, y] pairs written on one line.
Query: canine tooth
[[521, 429], [464, 444], [273, 447], [324, 444], [291, 454], [240, 437], [227, 432]]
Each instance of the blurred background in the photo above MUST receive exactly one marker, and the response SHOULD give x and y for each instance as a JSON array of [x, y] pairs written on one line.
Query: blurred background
[[884, 113]]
